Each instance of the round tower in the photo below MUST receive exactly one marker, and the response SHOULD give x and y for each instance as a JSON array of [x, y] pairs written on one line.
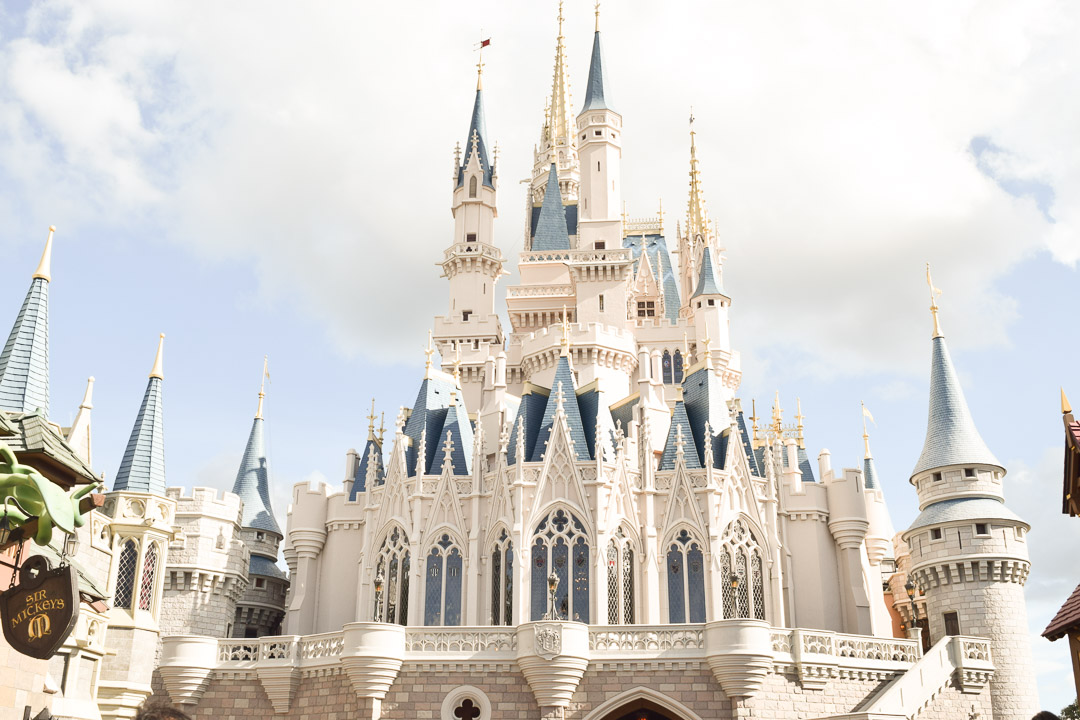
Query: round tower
[[968, 550]]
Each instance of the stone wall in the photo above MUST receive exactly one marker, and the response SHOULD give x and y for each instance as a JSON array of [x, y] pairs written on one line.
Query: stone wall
[[22, 683]]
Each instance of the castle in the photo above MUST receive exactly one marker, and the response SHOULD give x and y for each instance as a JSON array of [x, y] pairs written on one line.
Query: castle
[[577, 519]]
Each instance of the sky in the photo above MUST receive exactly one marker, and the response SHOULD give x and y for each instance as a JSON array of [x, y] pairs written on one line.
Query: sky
[[270, 178]]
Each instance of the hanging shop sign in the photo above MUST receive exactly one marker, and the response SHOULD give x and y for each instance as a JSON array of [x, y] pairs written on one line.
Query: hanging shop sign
[[40, 612]]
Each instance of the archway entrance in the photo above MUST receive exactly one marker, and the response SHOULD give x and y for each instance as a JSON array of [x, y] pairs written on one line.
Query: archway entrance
[[641, 709]]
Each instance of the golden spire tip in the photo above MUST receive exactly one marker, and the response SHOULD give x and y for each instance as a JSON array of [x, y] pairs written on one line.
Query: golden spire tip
[[597, 15], [262, 386], [934, 292], [44, 268], [1065, 407], [157, 371]]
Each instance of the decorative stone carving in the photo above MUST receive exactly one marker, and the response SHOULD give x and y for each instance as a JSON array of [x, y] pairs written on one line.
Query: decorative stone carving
[[553, 657], [548, 641]]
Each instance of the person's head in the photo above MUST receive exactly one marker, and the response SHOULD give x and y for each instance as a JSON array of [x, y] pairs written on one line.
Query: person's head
[[1044, 715], [159, 709]]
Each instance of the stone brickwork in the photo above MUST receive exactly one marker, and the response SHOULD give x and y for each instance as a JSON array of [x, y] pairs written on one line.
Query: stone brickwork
[[419, 691], [951, 704], [955, 483], [24, 684]]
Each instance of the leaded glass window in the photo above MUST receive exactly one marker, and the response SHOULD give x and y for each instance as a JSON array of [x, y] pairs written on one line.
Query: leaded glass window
[[665, 367], [560, 546], [442, 600], [392, 601], [686, 579], [125, 575], [620, 584], [677, 369], [502, 580], [742, 572], [146, 584]]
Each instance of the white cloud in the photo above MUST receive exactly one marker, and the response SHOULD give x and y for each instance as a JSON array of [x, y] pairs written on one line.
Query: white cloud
[[315, 142]]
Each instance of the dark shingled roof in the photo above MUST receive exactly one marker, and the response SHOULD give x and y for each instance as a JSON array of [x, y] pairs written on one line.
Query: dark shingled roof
[[253, 483], [477, 136], [266, 567], [951, 435], [143, 466], [551, 232], [570, 210], [660, 259], [679, 419], [530, 413], [1067, 618], [35, 438], [564, 377], [706, 278], [870, 479], [751, 456], [439, 409], [959, 509], [24, 362], [360, 480], [596, 85]]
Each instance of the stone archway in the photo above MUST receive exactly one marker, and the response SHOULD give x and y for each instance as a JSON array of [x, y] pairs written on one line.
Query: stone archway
[[640, 710], [642, 703]]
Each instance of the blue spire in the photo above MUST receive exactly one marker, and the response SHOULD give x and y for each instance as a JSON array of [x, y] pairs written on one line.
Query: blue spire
[[477, 142], [564, 378], [360, 480], [143, 466], [551, 231], [24, 362], [679, 419], [951, 435], [870, 481], [594, 89], [706, 278], [253, 483], [461, 435]]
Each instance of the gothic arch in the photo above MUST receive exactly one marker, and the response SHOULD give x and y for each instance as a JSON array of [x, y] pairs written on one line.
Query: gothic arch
[[641, 698], [432, 536]]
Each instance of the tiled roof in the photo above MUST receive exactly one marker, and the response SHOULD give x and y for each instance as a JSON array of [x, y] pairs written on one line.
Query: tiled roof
[[704, 398], [596, 85], [951, 435], [460, 430], [679, 420], [964, 509], [143, 466], [551, 232], [870, 479], [253, 483], [529, 415], [428, 414], [569, 210], [706, 278], [266, 567], [360, 480], [24, 362], [744, 437], [1067, 618], [660, 258], [477, 136], [594, 411], [622, 413], [806, 470], [35, 436], [564, 378]]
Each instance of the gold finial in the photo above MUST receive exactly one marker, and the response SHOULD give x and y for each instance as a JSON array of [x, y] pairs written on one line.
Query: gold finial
[[865, 434], [799, 417], [597, 15], [157, 371], [565, 334], [382, 426], [934, 292], [753, 422], [44, 268], [705, 346], [777, 415], [480, 61], [428, 351], [560, 18], [371, 421], [1065, 407], [262, 386], [660, 213], [457, 363], [697, 218]]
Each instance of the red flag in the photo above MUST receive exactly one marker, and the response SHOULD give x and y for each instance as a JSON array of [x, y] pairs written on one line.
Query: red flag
[[485, 43]]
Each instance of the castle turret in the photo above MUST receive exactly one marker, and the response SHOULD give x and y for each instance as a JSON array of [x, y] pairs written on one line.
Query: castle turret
[[599, 135], [79, 435], [472, 264], [24, 362], [141, 526], [969, 551], [260, 611], [880, 555]]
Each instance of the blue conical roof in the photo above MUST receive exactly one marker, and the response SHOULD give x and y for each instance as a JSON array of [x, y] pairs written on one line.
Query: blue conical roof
[[253, 483], [870, 479], [679, 419], [477, 142], [594, 89], [24, 363], [143, 466], [564, 380], [706, 278], [951, 435], [360, 480], [551, 233]]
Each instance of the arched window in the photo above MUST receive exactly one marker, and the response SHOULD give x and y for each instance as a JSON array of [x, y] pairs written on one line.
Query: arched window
[[472, 186], [677, 372], [560, 546], [741, 574], [686, 580], [620, 583], [502, 580], [392, 573], [149, 572], [125, 575], [442, 599], [665, 367]]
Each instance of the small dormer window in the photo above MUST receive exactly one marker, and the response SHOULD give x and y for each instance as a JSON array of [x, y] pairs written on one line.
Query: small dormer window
[[1019, 533], [712, 303], [472, 186], [982, 529], [935, 534], [260, 536], [260, 582], [969, 472], [597, 133], [600, 245], [470, 237], [937, 477], [465, 314]]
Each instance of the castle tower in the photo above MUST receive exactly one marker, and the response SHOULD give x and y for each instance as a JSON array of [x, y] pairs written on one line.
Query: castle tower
[[558, 143], [879, 546], [697, 235], [24, 362], [78, 435], [472, 263], [262, 607], [141, 526], [969, 551], [599, 135]]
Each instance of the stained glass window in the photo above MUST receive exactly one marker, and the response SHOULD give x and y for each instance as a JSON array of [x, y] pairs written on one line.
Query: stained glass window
[[742, 572], [686, 580], [125, 575], [502, 575], [677, 370], [620, 584], [665, 367], [146, 585], [442, 598], [392, 567], [552, 541]]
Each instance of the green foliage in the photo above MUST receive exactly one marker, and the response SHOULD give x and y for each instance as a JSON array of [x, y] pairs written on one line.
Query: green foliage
[[1070, 712]]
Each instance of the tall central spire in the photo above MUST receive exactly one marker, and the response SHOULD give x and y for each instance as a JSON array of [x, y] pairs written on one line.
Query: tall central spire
[[560, 121], [595, 89], [697, 218]]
